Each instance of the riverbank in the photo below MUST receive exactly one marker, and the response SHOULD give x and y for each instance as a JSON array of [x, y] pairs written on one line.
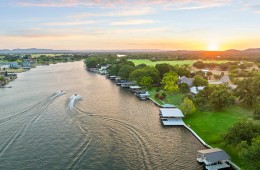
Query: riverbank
[[210, 126]]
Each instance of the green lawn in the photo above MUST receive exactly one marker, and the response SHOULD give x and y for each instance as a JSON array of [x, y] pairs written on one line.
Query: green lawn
[[212, 125], [179, 62], [174, 99]]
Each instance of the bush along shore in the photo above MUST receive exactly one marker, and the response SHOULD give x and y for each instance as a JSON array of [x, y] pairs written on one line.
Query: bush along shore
[[224, 115]]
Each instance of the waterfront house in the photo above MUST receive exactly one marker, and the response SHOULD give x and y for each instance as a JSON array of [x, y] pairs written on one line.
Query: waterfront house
[[186, 80], [171, 116], [213, 159]]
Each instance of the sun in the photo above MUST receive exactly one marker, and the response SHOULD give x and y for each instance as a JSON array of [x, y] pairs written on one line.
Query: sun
[[213, 47]]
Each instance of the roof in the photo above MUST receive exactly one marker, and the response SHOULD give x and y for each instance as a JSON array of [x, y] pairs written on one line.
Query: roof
[[128, 82], [214, 155], [171, 112], [186, 80], [134, 87], [224, 79], [195, 90], [168, 106]]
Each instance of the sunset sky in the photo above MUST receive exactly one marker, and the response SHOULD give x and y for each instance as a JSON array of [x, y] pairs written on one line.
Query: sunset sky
[[130, 24]]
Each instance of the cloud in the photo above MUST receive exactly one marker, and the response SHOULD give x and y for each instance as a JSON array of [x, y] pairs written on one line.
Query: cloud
[[165, 4], [117, 13], [70, 23], [132, 22]]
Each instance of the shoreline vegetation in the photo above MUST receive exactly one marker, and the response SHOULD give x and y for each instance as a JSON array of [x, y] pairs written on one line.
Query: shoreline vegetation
[[219, 107], [13, 64]]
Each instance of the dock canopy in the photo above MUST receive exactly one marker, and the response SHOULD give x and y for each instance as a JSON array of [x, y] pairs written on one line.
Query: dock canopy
[[214, 155], [171, 112], [135, 87]]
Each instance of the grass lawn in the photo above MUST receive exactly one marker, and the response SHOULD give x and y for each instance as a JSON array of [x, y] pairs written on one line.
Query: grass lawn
[[179, 62], [174, 99], [211, 125]]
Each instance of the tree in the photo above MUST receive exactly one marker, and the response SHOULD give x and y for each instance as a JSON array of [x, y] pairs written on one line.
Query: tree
[[146, 82], [248, 90], [256, 115], [125, 71], [242, 130], [184, 88], [91, 62], [199, 64], [163, 68], [187, 106], [221, 97], [169, 82], [209, 74], [138, 74], [251, 153], [199, 81]]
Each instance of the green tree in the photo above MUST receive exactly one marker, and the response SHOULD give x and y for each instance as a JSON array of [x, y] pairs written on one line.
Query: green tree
[[248, 90], [163, 68], [256, 115], [184, 88], [169, 82], [125, 71], [242, 130], [251, 153], [146, 82], [187, 106], [221, 97], [199, 81], [91, 62], [138, 74]]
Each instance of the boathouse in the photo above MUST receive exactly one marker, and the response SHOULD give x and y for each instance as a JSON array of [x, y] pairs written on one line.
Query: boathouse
[[171, 116], [133, 89], [127, 84], [213, 159]]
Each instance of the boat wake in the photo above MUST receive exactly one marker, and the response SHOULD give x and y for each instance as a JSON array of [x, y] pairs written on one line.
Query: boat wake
[[72, 100], [31, 115]]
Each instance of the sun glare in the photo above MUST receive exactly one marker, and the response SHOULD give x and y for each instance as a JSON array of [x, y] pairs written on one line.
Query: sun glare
[[213, 47]]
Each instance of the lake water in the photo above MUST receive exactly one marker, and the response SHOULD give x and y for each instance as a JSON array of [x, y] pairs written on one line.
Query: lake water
[[109, 128]]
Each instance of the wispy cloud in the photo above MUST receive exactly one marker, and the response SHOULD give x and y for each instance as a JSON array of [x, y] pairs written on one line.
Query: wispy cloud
[[117, 13], [70, 23], [132, 22], [170, 4]]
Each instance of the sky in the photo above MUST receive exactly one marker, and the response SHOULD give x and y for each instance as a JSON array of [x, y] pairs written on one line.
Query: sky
[[130, 24]]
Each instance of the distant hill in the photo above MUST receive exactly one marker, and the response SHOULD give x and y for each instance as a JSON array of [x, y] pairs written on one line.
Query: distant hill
[[50, 51], [32, 50], [252, 50]]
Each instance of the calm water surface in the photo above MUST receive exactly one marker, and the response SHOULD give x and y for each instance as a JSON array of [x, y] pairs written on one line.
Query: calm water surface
[[108, 129]]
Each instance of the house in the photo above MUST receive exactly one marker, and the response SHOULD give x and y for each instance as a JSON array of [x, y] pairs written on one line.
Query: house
[[224, 79], [186, 80], [14, 65], [195, 90], [4, 65], [213, 159], [171, 116]]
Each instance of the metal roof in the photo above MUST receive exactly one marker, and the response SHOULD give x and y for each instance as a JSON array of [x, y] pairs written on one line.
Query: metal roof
[[173, 112], [214, 155]]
